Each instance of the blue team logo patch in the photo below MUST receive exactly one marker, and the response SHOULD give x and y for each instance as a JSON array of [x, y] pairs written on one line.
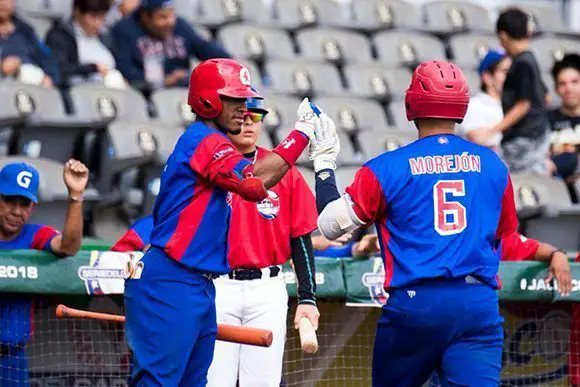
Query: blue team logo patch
[[374, 281], [269, 208]]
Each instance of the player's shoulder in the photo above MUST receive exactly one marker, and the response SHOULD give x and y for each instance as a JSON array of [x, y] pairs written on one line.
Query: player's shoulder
[[199, 132], [146, 221]]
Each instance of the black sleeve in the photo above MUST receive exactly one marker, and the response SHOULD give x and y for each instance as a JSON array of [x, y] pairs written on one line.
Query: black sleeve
[[62, 50], [326, 189], [304, 266], [524, 85]]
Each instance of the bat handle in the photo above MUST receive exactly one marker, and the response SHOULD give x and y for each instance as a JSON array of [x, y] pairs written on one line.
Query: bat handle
[[315, 109]]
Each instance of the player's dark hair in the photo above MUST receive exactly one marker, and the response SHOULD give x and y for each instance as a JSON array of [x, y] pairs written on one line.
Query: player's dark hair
[[514, 22], [570, 61], [92, 6]]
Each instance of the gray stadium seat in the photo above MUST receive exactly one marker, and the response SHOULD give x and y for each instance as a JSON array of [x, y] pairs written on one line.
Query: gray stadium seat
[[373, 15], [548, 212], [281, 112], [377, 81], [349, 154], [353, 115], [303, 78], [469, 49], [212, 13], [546, 18], [256, 43], [53, 9], [97, 102], [52, 192], [474, 81], [551, 49], [258, 12], [334, 45], [171, 106], [40, 24], [46, 131], [292, 14], [399, 117], [407, 48], [380, 141], [454, 16], [345, 177]]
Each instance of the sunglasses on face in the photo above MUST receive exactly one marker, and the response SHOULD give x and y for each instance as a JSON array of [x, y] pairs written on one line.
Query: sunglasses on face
[[254, 116]]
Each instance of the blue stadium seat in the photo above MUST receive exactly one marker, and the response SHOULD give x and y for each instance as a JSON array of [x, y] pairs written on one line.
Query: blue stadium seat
[[334, 45]]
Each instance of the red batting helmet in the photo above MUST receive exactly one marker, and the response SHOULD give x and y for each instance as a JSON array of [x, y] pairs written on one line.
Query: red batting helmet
[[215, 78], [438, 89]]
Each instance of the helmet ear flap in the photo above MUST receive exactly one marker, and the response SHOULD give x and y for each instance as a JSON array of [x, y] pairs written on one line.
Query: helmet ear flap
[[209, 106]]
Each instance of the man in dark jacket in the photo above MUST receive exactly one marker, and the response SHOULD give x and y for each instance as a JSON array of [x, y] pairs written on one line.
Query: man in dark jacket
[[18, 40], [82, 52], [155, 45]]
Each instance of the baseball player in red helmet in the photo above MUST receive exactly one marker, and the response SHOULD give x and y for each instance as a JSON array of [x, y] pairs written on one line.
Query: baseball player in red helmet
[[170, 310], [254, 293], [441, 205]]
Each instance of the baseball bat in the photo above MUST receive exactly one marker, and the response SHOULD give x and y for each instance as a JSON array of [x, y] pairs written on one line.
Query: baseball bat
[[308, 339], [230, 333]]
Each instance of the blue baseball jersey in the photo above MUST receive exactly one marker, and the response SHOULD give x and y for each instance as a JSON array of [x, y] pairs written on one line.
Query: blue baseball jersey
[[137, 236], [191, 213], [441, 204], [16, 310]]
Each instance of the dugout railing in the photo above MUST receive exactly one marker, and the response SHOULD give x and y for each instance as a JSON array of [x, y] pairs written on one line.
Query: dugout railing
[[541, 335]]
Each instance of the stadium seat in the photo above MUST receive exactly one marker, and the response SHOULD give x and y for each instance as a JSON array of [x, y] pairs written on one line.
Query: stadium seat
[[258, 12], [398, 117], [50, 9], [292, 14], [45, 131], [379, 141], [449, 16], [52, 192], [354, 115], [546, 210], [303, 78], [377, 81], [473, 80], [281, 111], [349, 153], [546, 18], [257, 43], [407, 48], [374, 15], [171, 106], [469, 49], [551, 49], [345, 177], [334, 45], [555, 100], [211, 13], [40, 24], [97, 102]]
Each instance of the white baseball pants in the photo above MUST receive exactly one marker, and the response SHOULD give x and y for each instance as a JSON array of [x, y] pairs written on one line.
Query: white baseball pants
[[260, 303]]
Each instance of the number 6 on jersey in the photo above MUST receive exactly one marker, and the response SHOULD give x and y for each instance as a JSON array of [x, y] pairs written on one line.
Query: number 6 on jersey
[[443, 208]]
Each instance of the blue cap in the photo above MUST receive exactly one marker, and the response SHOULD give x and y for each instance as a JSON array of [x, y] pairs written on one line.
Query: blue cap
[[155, 4], [19, 179], [257, 104], [490, 59]]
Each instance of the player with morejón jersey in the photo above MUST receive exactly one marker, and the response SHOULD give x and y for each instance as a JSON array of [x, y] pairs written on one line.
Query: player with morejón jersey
[[441, 205]]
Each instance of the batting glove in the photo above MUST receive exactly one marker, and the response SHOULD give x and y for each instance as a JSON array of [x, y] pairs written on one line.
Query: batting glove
[[326, 145], [307, 119]]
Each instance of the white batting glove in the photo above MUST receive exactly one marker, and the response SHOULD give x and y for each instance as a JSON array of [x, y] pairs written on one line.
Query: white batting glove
[[307, 120], [326, 146]]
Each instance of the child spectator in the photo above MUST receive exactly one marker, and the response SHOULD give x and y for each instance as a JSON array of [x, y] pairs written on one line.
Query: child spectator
[[525, 124], [154, 45], [82, 52]]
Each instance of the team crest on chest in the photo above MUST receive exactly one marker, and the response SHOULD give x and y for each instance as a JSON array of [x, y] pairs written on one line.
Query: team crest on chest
[[269, 208]]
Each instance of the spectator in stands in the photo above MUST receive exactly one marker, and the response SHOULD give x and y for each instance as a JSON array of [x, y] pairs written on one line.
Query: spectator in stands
[[155, 45], [485, 107], [565, 121], [82, 51], [120, 10], [18, 196], [525, 124], [23, 55], [367, 246]]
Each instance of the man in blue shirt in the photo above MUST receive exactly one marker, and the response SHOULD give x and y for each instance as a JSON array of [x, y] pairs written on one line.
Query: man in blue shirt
[[18, 196], [441, 206], [155, 45]]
